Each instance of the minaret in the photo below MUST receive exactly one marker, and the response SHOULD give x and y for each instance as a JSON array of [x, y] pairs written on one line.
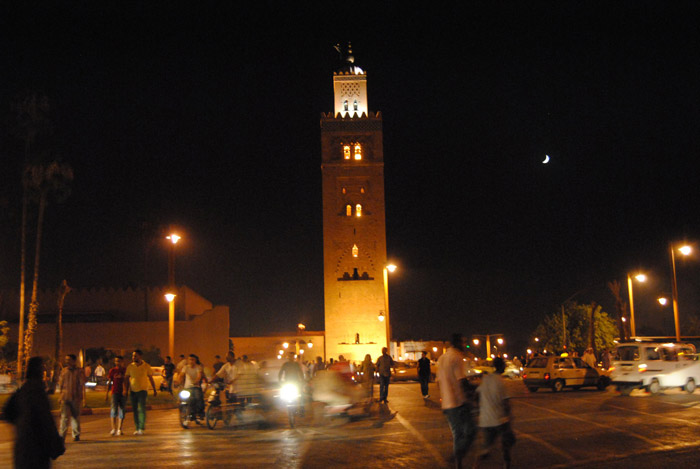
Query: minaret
[[354, 226]]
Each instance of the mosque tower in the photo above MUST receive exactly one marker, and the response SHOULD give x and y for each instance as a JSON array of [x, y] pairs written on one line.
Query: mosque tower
[[354, 225]]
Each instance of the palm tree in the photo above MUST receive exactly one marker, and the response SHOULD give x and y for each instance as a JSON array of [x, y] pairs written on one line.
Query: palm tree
[[58, 350], [32, 111], [52, 180]]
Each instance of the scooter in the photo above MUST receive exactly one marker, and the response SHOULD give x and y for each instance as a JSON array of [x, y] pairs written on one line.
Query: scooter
[[291, 397], [186, 415]]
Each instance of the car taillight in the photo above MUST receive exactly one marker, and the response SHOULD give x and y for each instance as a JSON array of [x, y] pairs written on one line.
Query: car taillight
[[524, 375], [642, 368], [546, 376], [612, 368]]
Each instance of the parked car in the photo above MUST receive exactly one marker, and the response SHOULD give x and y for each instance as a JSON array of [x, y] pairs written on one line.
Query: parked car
[[557, 373], [655, 366], [408, 371], [512, 371]]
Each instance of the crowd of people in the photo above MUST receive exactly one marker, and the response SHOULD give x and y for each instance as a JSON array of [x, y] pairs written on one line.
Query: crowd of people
[[336, 383]]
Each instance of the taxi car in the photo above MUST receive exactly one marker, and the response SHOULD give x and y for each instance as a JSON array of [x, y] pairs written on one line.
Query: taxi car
[[558, 373]]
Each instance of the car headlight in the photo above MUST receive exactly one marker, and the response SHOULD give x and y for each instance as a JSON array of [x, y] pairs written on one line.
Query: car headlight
[[184, 394]]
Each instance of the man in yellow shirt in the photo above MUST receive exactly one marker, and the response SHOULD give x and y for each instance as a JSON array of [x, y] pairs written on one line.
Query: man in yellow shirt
[[138, 374]]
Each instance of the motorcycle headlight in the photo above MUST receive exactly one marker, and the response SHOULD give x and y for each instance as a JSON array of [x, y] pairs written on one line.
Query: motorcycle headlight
[[184, 394], [289, 392]]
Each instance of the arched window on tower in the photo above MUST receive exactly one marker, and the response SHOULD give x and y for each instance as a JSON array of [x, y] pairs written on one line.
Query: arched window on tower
[[346, 152], [358, 151], [358, 210], [348, 210], [355, 250], [354, 106], [345, 105]]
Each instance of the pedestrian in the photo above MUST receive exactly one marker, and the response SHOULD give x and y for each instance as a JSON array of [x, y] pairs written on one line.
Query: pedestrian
[[494, 414], [368, 376], [589, 357], [168, 374], [99, 372], [115, 385], [424, 374], [384, 366], [71, 385], [606, 358], [137, 376], [457, 397], [217, 363], [37, 441]]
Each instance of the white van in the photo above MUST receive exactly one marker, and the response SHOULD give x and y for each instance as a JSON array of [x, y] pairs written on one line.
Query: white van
[[655, 366]]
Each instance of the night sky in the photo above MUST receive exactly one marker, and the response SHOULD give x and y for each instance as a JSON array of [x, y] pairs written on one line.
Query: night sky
[[207, 118]]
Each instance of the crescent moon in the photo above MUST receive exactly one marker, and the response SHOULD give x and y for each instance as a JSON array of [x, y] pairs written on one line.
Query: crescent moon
[[546, 159]]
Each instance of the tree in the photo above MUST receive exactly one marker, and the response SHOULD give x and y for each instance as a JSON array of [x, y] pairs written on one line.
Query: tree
[[575, 320], [58, 350], [31, 110], [45, 181]]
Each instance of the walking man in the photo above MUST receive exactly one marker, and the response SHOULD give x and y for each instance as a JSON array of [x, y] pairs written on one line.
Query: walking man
[[424, 374], [72, 387], [384, 365], [494, 414], [115, 384], [168, 374], [137, 375], [457, 396]]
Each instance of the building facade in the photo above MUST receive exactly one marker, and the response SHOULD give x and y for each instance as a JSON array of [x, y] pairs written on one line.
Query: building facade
[[354, 228]]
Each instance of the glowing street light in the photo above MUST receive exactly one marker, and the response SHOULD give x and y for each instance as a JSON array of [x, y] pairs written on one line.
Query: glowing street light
[[499, 340], [640, 278], [170, 297], [388, 268], [685, 250], [663, 301]]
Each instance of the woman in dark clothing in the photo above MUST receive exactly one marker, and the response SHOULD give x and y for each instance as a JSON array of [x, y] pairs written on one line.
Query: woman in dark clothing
[[28, 409]]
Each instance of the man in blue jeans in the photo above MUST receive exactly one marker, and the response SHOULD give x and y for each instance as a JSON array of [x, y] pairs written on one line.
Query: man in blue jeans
[[384, 365], [457, 398]]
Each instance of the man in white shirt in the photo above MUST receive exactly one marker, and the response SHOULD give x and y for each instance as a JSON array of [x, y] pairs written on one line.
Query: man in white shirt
[[456, 394], [494, 414], [228, 372]]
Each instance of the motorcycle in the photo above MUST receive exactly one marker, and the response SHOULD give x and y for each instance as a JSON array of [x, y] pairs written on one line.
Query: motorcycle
[[242, 411], [186, 414], [291, 397]]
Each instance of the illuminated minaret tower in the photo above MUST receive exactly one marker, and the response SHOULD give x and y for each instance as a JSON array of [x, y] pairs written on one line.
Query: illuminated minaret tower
[[354, 226]]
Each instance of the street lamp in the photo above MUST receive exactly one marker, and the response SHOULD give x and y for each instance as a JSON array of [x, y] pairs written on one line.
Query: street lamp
[[499, 340], [171, 323], [387, 269], [662, 301], [685, 250], [640, 278]]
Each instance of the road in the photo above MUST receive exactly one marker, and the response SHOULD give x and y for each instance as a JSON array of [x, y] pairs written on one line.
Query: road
[[588, 429]]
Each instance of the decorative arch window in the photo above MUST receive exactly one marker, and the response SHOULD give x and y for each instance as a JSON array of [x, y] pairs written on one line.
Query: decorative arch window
[[344, 190], [346, 152], [355, 250], [348, 210], [362, 190], [345, 105], [354, 106], [358, 151], [358, 210]]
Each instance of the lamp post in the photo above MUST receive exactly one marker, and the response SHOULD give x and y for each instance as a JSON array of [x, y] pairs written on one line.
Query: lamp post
[[170, 296], [499, 340], [171, 323], [387, 269], [685, 250], [639, 278]]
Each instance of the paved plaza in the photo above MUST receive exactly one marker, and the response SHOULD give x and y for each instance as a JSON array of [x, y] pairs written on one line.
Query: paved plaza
[[569, 429]]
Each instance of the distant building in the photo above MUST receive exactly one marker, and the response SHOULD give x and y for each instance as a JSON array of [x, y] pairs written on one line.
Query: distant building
[[354, 227], [123, 319], [307, 344]]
